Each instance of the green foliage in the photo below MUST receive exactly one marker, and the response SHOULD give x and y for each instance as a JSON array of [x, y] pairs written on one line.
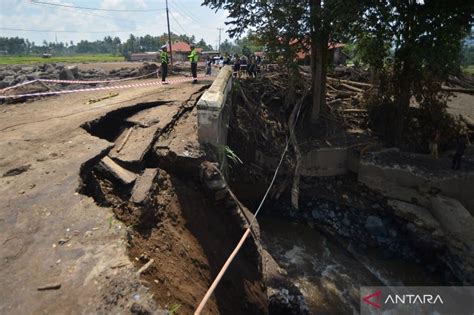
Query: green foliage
[[467, 55], [412, 47], [173, 308], [112, 46], [420, 122], [231, 155]]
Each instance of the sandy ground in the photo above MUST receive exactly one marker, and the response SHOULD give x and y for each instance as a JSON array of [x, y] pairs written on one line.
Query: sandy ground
[[462, 103], [49, 233]]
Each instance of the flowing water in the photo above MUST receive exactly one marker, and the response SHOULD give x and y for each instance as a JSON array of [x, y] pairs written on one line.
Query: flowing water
[[329, 273]]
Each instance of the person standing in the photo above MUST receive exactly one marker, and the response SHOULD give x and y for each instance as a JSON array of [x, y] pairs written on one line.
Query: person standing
[[193, 58], [164, 64], [460, 148], [236, 66], [434, 143], [208, 66]]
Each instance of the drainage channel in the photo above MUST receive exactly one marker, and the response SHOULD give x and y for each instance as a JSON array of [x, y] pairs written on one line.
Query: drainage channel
[[343, 236], [179, 230]]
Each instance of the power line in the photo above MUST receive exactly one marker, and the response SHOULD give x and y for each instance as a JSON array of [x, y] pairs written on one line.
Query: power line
[[63, 31], [181, 11], [179, 24], [96, 9], [84, 13], [185, 10]]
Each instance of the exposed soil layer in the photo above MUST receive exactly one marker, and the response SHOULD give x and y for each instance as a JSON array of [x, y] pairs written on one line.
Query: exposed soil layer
[[180, 228]]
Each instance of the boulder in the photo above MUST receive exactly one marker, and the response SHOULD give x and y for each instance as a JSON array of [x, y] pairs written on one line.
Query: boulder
[[66, 74], [375, 226]]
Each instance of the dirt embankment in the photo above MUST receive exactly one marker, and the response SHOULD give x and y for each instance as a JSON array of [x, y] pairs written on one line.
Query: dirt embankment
[[180, 232]]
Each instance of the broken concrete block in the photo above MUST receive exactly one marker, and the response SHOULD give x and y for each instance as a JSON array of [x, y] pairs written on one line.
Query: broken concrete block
[[136, 146], [116, 171], [143, 185], [451, 214], [420, 216]]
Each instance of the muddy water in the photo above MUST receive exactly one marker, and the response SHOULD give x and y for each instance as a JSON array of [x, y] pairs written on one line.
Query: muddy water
[[329, 273]]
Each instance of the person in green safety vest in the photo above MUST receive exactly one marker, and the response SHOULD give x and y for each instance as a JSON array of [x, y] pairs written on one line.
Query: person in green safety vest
[[193, 57], [164, 64]]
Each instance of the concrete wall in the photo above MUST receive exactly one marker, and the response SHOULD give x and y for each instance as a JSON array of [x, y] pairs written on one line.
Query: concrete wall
[[408, 185], [325, 162], [214, 110]]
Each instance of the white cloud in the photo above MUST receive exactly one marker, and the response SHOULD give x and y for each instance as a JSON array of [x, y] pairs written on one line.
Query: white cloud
[[194, 19]]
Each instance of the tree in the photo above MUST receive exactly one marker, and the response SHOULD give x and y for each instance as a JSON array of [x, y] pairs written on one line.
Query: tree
[[413, 46], [287, 27]]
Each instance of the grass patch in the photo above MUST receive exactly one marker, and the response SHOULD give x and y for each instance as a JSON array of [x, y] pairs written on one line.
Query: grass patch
[[11, 60], [469, 70]]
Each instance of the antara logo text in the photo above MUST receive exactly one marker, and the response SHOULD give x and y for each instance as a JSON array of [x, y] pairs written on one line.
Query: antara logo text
[[374, 299]]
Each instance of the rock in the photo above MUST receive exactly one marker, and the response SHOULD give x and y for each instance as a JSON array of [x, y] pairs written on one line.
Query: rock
[[9, 79], [74, 70], [49, 68], [346, 221], [66, 74], [418, 215], [215, 185], [139, 309], [332, 214], [375, 226], [315, 214]]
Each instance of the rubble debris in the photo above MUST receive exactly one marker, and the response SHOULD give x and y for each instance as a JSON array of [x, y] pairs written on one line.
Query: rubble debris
[[96, 100], [17, 170], [53, 286], [145, 267], [116, 171], [143, 185], [136, 145]]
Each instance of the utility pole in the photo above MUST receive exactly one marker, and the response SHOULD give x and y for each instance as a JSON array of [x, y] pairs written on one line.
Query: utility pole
[[169, 32], [219, 29]]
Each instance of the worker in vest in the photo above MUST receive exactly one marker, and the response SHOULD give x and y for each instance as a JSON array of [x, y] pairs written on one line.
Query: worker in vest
[[193, 57], [164, 64]]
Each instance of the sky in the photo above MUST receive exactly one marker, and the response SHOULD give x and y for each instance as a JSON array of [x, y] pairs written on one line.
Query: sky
[[186, 17]]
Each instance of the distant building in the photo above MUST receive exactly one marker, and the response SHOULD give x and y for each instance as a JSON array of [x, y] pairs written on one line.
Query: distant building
[[335, 53], [209, 53], [181, 50], [146, 56]]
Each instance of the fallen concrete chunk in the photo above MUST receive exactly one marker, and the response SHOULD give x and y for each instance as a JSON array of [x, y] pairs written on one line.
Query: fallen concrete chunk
[[450, 213], [116, 171], [143, 185], [138, 143]]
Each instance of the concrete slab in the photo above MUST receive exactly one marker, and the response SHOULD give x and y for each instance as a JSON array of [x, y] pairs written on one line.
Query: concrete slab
[[116, 171], [420, 216], [136, 145], [325, 162], [143, 185], [151, 116], [450, 213]]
